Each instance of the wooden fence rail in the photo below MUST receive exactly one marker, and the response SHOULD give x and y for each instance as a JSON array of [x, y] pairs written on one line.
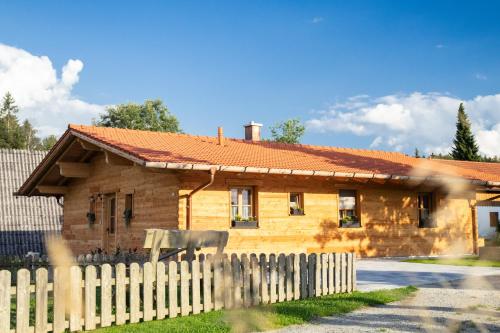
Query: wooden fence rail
[[90, 297]]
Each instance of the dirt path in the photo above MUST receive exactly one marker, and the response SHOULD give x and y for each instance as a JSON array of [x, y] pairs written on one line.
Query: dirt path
[[471, 305]]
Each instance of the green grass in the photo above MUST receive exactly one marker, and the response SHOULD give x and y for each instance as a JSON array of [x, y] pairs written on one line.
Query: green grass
[[269, 316], [467, 261]]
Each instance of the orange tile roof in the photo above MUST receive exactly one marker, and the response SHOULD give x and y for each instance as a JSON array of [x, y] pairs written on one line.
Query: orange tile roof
[[189, 149]]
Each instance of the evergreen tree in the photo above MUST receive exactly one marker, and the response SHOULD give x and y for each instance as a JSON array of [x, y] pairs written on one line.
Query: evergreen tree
[[8, 111], [48, 142], [417, 153], [465, 147], [29, 140]]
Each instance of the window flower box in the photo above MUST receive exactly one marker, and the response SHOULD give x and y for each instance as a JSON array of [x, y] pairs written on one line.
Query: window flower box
[[244, 224], [350, 222], [297, 211]]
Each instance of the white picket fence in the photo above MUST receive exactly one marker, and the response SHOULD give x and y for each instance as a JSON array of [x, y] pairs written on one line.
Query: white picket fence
[[90, 297]]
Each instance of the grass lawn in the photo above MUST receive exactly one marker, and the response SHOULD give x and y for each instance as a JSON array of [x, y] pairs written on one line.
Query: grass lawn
[[269, 316], [467, 261]]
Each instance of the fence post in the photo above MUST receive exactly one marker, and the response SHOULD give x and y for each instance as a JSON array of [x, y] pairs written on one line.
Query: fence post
[[61, 280], [195, 282], [106, 295], [272, 278], [160, 290], [172, 289], [121, 294], [236, 280], [264, 287], [207, 284], [331, 265], [303, 275], [22, 301], [75, 313], [147, 291], [41, 300], [90, 299], [5, 277], [134, 292]]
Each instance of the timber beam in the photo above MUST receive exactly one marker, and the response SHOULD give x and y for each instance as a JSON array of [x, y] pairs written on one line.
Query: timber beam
[[113, 159], [88, 146], [47, 189], [74, 170]]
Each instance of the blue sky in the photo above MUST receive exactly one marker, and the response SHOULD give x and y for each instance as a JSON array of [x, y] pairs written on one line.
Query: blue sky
[[349, 69]]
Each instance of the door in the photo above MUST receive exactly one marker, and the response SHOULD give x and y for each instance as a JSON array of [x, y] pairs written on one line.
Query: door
[[109, 235]]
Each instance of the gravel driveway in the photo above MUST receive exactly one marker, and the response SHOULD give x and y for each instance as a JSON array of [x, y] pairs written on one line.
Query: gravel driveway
[[459, 299]]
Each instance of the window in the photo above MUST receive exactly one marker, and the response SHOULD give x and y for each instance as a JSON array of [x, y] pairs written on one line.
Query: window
[[494, 219], [128, 213], [242, 207], [296, 203], [425, 210], [348, 209], [112, 215], [92, 208]]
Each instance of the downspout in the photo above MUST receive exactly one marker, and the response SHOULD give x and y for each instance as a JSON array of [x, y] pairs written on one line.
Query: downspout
[[189, 208]]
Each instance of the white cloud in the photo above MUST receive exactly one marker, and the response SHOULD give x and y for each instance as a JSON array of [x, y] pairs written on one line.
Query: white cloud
[[43, 97], [480, 76], [317, 19], [403, 122]]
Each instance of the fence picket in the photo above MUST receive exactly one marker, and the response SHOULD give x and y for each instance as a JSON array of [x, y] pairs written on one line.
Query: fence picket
[[311, 278], [337, 272], [264, 287], [317, 274], [75, 310], [331, 265], [272, 279], [61, 279], [228, 284], [288, 277], [160, 291], [195, 285], [41, 300], [121, 294], [354, 277], [5, 277], [343, 275], [207, 284], [23, 301], [281, 277], [247, 301], [90, 299], [218, 284], [349, 273], [172, 289], [235, 263], [147, 291], [296, 276], [303, 275], [184, 288], [324, 273], [134, 292], [255, 280], [106, 295]]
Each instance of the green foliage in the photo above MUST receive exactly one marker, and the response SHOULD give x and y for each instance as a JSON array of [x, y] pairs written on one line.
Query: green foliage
[[465, 147], [16, 136], [153, 115], [289, 131]]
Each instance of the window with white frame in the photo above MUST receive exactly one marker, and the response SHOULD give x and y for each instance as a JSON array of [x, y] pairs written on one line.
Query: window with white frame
[[242, 204]]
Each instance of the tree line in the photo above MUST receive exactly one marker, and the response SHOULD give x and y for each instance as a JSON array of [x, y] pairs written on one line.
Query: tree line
[[16, 135], [464, 146]]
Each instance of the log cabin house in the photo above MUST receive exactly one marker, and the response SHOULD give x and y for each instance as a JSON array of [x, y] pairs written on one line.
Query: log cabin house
[[271, 197]]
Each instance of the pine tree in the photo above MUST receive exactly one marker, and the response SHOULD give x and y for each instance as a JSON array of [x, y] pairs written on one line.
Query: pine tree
[[417, 153], [465, 147], [8, 111]]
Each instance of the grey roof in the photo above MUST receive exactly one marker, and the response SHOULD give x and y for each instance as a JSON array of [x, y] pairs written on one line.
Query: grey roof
[[23, 220]]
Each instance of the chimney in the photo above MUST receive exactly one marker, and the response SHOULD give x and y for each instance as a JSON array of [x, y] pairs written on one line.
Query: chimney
[[220, 136], [252, 131]]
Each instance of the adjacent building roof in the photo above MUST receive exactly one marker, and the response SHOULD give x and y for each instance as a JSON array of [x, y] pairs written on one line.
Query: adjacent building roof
[[23, 221], [185, 152]]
